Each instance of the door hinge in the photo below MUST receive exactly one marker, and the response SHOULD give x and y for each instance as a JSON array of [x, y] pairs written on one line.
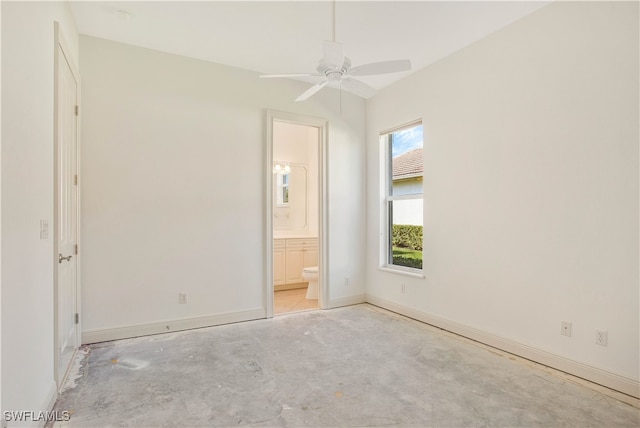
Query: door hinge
[[77, 110], [75, 249], [77, 318], [75, 179]]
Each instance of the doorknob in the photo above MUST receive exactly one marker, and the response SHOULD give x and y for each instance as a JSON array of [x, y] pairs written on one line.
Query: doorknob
[[60, 258]]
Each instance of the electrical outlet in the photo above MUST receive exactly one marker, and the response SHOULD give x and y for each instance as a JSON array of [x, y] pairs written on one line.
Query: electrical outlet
[[601, 337], [346, 281], [182, 298], [403, 288], [565, 328]]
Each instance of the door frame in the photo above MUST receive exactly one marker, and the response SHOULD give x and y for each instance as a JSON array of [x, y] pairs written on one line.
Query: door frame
[[323, 226], [60, 44]]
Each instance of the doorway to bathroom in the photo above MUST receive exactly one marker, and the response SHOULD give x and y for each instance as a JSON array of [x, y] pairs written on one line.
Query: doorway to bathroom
[[295, 213]]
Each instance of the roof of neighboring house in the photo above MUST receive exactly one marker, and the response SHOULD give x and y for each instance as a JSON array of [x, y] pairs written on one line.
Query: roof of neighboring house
[[407, 165]]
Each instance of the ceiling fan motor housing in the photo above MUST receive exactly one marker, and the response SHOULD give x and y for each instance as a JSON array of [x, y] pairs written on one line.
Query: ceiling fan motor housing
[[332, 72]]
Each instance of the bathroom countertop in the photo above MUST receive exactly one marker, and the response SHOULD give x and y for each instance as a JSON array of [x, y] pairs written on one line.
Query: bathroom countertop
[[293, 236]]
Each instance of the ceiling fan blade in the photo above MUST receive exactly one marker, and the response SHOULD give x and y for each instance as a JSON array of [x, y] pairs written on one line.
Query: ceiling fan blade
[[269, 76], [383, 67], [358, 87], [333, 53], [312, 90]]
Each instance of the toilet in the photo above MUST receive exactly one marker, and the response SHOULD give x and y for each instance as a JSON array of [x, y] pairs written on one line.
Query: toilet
[[310, 274]]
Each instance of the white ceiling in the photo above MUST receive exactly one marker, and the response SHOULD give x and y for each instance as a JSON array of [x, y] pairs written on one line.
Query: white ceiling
[[287, 36]]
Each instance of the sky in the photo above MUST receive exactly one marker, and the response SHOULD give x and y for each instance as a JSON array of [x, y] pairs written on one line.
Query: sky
[[407, 139]]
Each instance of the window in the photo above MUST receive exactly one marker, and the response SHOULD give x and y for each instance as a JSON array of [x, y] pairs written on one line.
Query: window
[[403, 219], [282, 184]]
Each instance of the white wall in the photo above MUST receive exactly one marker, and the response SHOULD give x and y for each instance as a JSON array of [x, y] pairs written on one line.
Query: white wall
[[408, 211], [173, 163], [0, 221], [27, 197], [531, 188], [291, 142], [407, 186]]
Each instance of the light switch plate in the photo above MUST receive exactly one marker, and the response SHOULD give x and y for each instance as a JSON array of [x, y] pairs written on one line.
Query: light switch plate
[[44, 229]]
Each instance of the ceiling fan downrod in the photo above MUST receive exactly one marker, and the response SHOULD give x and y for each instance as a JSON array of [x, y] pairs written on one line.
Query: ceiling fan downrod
[[333, 21]]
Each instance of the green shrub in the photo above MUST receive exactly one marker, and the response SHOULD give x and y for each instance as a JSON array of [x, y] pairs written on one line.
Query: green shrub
[[407, 236], [403, 261]]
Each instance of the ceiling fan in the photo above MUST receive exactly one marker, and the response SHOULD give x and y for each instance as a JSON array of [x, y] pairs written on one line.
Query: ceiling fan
[[335, 67]]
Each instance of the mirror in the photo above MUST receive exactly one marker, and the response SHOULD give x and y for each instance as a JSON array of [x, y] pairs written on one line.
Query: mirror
[[290, 208]]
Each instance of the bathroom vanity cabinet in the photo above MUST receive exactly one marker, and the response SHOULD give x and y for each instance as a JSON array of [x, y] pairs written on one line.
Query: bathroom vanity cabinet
[[290, 256]]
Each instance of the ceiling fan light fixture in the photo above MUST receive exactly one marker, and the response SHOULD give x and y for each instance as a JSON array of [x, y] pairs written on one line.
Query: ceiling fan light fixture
[[282, 169]]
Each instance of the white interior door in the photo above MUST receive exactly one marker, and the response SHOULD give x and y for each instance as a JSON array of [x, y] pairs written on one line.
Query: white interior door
[[67, 215]]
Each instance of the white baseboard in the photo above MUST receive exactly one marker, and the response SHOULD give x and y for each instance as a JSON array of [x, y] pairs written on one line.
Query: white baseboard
[[346, 301], [602, 377], [50, 400], [169, 326]]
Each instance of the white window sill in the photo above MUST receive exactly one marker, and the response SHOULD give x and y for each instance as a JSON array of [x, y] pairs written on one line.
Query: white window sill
[[401, 271]]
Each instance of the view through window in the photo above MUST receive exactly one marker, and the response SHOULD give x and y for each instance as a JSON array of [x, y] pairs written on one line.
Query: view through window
[[282, 185], [404, 198]]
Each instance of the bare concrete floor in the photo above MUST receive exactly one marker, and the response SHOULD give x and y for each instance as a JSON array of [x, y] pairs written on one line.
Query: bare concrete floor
[[351, 367]]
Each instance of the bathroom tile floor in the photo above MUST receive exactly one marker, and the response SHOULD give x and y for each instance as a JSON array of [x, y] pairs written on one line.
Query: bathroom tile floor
[[292, 301]]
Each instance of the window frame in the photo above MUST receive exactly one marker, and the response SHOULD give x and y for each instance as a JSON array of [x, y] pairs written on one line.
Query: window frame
[[388, 198], [282, 184]]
